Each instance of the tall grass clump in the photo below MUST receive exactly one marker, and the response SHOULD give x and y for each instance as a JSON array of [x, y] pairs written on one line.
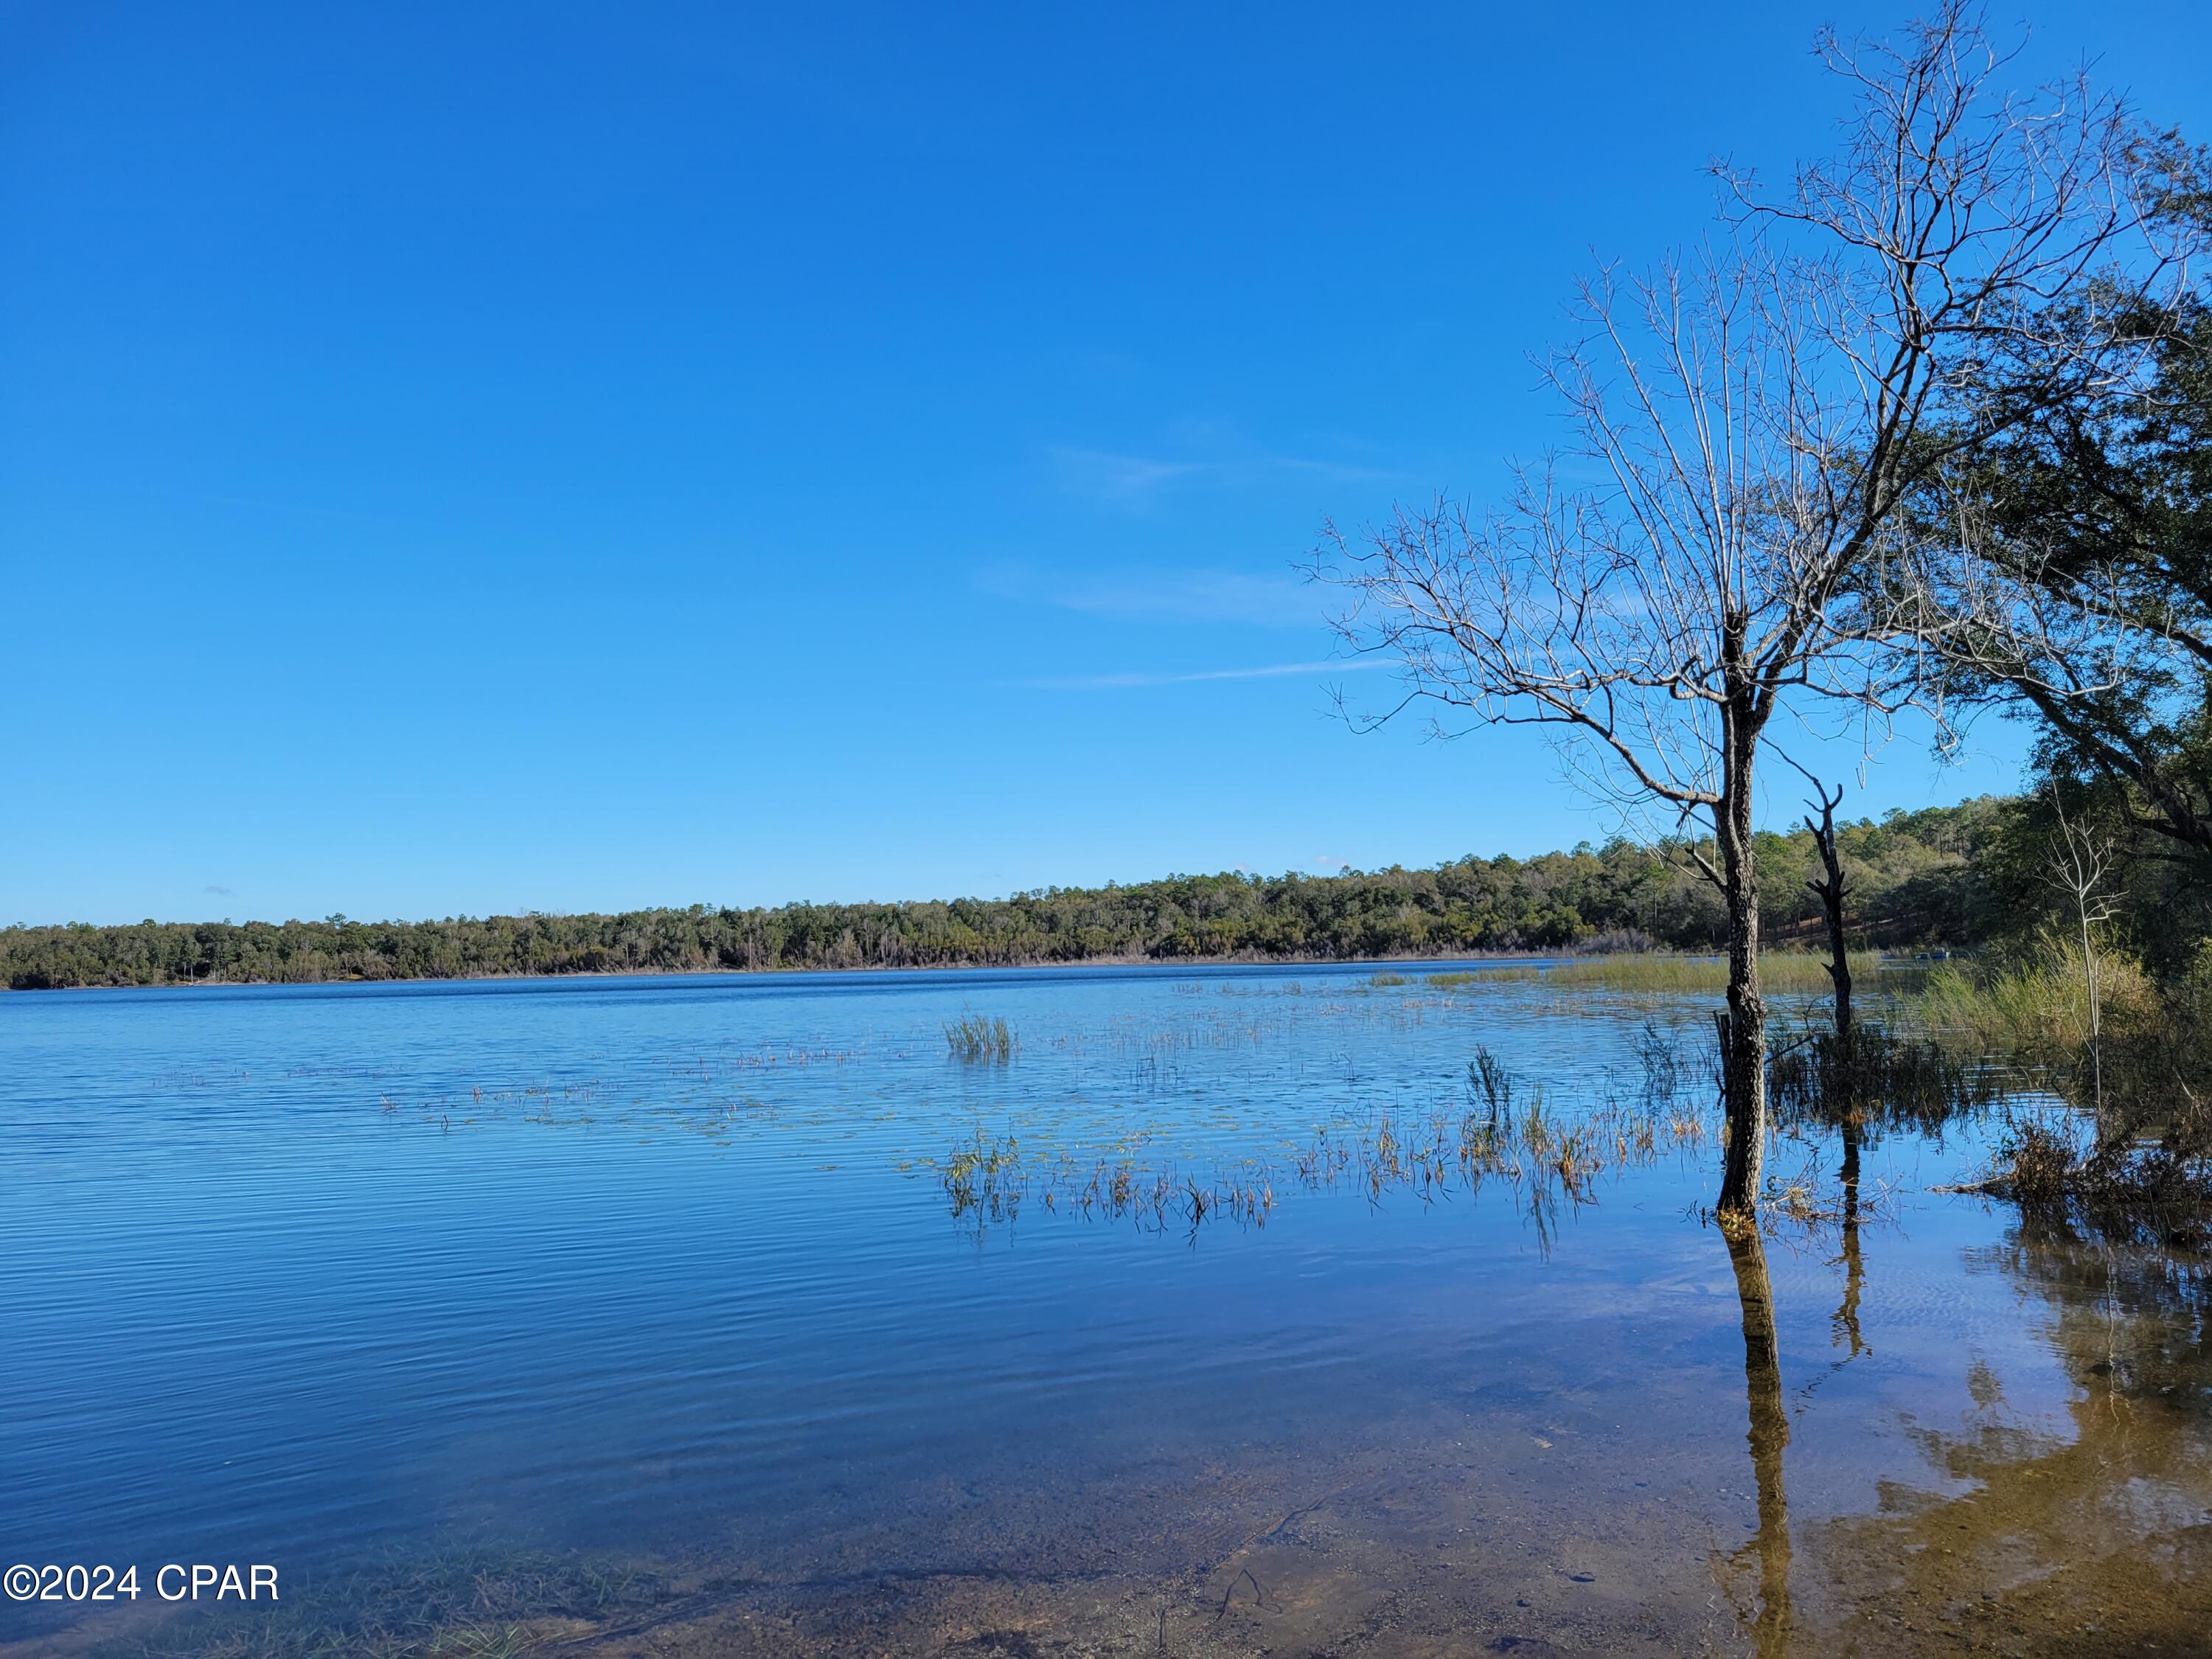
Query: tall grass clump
[[2135, 1155], [2035, 1005], [973, 1036], [1665, 973], [1778, 970]]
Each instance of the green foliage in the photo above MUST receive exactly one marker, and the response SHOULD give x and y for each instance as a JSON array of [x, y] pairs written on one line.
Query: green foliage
[[1913, 882], [2161, 892], [2103, 506]]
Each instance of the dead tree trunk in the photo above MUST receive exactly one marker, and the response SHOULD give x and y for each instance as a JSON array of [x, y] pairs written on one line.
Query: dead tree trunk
[[1829, 889]]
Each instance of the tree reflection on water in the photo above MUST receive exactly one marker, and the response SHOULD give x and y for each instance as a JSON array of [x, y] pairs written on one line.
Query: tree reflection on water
[[2092, 1536], [1769, 1435]]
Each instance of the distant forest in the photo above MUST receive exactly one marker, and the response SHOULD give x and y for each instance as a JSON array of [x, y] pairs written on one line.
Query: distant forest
[[1914, 883]]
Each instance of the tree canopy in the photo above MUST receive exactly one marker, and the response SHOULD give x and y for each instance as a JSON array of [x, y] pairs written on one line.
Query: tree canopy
[[1913, 883]]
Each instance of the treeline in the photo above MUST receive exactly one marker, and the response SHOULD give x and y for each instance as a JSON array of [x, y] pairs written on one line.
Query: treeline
[[1913, 885]]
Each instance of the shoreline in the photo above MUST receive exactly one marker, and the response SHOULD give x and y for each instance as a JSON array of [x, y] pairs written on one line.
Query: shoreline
[[1498, 956], [1460, 959]]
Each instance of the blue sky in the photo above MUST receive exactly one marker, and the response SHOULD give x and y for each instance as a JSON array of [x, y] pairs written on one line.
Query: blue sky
[[492, 458]]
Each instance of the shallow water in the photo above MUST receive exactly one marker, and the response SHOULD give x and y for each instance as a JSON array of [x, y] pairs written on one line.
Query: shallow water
[[637, 1316]]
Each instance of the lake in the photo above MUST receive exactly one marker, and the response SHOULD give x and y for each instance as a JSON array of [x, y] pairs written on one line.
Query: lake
[[731, 1315]]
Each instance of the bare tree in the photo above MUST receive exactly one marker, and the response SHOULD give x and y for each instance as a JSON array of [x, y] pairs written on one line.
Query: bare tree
[[1722, 541], [2080, 862]]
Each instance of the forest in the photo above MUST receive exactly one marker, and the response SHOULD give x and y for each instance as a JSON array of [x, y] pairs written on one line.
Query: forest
[[1919, 880]]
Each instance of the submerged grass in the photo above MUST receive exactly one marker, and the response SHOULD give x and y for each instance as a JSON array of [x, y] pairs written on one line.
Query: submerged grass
[[985, 1179]]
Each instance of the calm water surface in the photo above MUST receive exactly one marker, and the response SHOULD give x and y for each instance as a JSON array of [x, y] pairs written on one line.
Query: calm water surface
[[634, 1316]]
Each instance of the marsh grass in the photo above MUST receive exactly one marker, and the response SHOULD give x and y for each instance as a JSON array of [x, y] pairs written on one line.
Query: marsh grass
[[1789, 972], [1131, 1038], [1459, 978], [2128, 1153], [985, 1179], [1785, 971], [977, 1037], [2035, 1009]]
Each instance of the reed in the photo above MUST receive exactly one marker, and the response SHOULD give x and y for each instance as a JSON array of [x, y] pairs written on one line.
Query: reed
[[1787, 972], [2036, 1008], [986, 1180], [977, 1037], [1790, 972]]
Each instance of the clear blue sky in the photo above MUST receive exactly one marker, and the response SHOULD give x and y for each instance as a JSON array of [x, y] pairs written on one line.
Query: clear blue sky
[[499, 457]]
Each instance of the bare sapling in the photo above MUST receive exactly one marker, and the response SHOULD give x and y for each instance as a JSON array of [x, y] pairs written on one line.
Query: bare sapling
[[2079, 864]]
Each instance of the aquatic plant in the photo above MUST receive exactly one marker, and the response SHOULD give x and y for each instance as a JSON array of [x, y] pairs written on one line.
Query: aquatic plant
[[1655, 1054], [987, 1179], [2065, 1166], [973, 1037], [1787, 972], [1487, 1080], [1544, 1154]]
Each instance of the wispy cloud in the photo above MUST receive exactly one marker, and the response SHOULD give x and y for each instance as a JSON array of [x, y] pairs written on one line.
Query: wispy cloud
[[220, 892], [1136, 480], [1273, 671], [1127, 479], [1177, 596]]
